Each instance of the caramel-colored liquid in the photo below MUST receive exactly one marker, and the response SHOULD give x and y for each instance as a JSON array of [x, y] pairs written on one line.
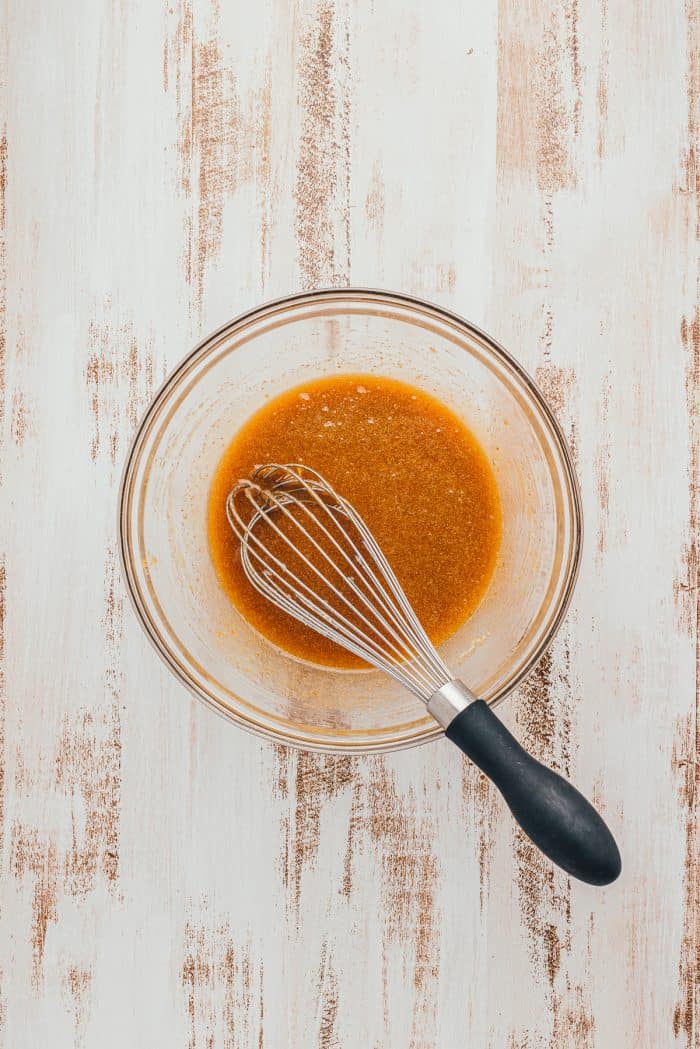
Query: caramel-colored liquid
[[414, 472]]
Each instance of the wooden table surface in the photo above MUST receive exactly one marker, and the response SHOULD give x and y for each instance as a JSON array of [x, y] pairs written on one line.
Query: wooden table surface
[[166, 879]]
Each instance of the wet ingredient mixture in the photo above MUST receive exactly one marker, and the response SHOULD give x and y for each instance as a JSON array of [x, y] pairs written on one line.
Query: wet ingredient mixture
[[409, 466]]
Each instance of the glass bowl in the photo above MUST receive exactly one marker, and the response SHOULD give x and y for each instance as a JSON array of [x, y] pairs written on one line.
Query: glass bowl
[[195, 414]]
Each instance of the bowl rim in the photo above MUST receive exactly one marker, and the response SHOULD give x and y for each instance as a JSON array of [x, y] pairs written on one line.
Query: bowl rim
[[388, 297]]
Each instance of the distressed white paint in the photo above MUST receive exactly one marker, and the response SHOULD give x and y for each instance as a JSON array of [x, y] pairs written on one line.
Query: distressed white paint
[[96, 229]]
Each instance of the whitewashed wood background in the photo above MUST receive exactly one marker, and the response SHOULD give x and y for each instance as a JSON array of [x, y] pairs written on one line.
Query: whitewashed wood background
[[167, 880]]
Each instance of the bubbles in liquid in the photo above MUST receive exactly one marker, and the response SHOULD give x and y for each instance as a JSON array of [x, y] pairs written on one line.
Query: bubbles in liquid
[[409, 466]]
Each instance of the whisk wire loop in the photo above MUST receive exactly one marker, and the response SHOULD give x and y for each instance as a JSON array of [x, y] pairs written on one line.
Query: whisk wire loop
[[349, 594]]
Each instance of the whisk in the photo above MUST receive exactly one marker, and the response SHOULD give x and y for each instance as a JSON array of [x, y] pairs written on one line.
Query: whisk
[[307, 550]]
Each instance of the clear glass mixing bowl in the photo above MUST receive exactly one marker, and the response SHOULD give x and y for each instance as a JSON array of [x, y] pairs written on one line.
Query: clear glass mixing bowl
[[163, 500]]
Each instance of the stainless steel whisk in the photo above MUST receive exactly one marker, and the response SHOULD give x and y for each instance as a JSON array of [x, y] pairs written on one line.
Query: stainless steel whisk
[[288, 516]]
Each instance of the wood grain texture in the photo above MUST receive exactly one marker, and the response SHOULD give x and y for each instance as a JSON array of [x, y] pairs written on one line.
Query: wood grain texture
[[164, 878]]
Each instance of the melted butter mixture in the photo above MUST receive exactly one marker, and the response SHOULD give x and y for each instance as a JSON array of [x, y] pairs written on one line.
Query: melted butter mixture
[[409, 466]]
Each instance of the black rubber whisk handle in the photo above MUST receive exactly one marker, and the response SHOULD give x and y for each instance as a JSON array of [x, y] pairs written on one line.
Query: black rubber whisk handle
[[553, 814]]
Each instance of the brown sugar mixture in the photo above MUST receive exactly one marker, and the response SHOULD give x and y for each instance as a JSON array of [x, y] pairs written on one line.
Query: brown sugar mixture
[[409, 466]]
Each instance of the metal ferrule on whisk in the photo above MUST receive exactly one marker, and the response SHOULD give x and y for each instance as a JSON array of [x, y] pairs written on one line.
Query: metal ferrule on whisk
[[449, 701]]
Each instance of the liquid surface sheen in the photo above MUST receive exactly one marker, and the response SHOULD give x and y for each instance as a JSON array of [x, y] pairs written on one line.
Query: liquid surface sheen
[[409, 466]]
